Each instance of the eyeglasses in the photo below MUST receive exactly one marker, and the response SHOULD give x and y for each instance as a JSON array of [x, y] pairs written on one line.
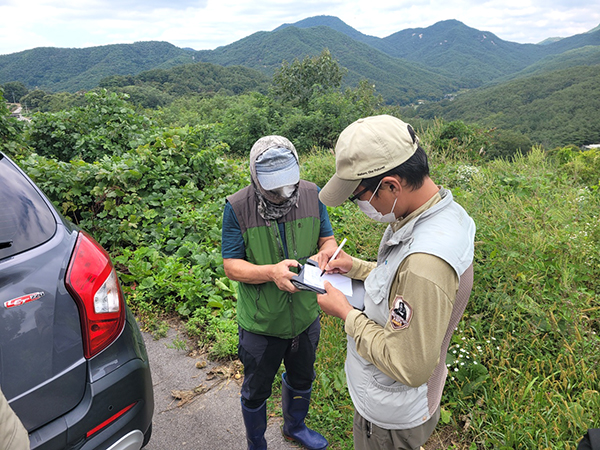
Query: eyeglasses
[[357, 196]]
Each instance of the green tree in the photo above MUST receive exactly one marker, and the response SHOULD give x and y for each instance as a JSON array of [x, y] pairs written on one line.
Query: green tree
[[35, 99], [320, 124], [299, 81], [14, 90], [507, 143], [10, 129]]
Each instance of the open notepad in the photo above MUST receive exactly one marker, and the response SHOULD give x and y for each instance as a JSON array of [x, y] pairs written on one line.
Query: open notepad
[[310, 279]]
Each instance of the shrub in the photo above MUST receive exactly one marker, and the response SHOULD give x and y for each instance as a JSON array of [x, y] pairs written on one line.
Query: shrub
[[106, 125]]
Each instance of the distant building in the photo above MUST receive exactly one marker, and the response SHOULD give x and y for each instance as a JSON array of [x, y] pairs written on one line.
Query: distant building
[[17, 113]]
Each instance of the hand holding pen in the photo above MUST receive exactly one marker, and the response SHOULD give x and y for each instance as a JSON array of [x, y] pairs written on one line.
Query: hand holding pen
[[335, 254]]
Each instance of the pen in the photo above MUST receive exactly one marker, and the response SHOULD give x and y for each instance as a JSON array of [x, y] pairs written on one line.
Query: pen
[[337, 251]]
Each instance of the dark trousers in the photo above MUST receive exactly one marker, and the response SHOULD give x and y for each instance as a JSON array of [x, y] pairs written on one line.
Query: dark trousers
[[262, 355]]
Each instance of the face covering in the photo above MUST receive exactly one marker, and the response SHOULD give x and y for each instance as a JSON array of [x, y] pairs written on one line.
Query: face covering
[[366, 207], [285, 191]]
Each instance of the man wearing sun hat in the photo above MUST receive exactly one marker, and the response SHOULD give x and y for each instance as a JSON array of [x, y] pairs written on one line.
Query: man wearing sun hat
[[270, 227], [416, 292]]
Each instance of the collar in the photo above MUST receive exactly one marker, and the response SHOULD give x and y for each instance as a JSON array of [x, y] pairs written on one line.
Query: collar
[[437, 197]]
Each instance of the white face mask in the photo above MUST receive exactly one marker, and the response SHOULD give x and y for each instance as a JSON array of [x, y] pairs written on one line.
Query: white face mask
[[285, 191], [366, 207]]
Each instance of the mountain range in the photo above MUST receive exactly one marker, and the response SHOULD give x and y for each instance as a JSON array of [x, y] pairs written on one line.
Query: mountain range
[[411, 65]]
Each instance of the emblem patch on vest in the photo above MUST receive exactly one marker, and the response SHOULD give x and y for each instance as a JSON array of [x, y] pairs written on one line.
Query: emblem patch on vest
[[400, 314]]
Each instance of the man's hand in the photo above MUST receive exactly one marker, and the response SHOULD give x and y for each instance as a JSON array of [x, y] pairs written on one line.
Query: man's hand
[[334, 302], [246, 272], [281, 275], [341, 264], [327, 247]]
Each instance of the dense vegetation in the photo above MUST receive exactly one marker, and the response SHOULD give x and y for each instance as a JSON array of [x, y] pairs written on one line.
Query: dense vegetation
[[150, 186], [556, 108], [73, 69], [399, 81], [159, 87], [471, 56]]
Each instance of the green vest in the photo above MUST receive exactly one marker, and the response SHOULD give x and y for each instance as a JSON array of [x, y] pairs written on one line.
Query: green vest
[[263, 308]]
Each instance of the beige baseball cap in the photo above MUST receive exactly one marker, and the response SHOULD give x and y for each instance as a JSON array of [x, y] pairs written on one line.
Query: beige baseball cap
[[367, 148]]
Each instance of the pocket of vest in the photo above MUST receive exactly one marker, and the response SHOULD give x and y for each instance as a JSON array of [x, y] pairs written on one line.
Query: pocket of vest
[[394, 404], [376, 283], [385, 383]]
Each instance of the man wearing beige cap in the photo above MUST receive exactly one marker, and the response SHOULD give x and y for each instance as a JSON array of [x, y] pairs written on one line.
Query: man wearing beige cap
[[416, 292]]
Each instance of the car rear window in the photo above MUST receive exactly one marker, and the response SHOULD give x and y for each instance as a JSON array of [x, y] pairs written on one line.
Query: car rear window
[[26, 221]]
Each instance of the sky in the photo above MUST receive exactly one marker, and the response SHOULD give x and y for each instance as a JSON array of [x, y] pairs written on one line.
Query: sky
[[208, 24]]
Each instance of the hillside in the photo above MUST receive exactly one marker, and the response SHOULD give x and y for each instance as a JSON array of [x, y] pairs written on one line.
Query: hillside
[[72, 69], [398, 80], [585, 56], [592, 37], [188, 79], [338, 25], [553, 108], [474, 56]]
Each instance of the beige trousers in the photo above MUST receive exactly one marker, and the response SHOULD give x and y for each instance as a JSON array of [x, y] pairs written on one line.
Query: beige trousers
[[13, 435]]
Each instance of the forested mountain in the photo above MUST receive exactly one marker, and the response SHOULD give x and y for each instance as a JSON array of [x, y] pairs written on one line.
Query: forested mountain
[[73, 69], [592, 37], [467, 57], [338, 25], [470, 55], [474, 56], [585, 56], [554, 108], [407, 66], [398, 80]]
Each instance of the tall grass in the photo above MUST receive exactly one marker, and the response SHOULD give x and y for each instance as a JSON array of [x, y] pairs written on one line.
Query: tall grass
[[524, 362]]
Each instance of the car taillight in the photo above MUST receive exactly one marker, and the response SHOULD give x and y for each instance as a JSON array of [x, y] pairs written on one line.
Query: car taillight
[[92, 281]]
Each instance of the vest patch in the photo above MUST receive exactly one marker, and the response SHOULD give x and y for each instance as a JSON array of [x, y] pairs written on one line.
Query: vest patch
[[400, 314]]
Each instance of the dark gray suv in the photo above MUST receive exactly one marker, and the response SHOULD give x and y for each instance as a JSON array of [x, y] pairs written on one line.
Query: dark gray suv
[[73, 364]]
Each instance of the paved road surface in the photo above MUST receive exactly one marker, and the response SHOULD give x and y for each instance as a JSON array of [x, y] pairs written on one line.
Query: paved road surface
[[209, 421]]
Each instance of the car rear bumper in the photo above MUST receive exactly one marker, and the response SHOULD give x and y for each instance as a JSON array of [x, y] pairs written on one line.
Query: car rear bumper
[[131, 441], [130, 384]]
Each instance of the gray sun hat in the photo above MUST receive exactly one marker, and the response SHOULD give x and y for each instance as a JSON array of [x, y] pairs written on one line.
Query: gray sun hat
[[277, 167], [367, 148]]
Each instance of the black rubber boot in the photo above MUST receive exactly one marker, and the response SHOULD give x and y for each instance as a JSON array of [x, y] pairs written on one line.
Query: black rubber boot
[[295, 407]]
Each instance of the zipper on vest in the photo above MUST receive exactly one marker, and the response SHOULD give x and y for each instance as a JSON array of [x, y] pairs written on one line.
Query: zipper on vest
[[292, 319], [257, 302], [292, 230], [277, 238]]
